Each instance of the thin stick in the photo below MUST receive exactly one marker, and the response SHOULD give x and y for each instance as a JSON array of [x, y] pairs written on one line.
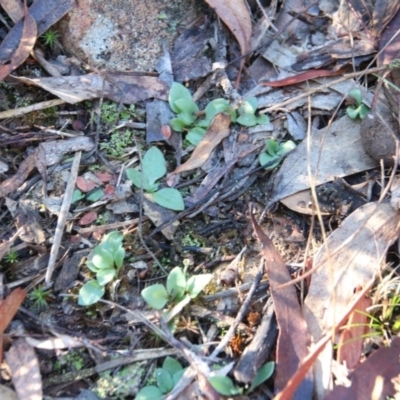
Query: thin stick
[[323, 87], [62, 219], [241, 312]]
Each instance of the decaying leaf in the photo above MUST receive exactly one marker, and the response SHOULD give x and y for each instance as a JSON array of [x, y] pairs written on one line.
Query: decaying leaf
[[237, 18], [218, 130], [84, 184], [159, 215], [14, 9], [352, 335], [8, 308], [88, 218], [335, 151], [53, 153], [350, 258], [376, 376], [294, 338], [27, 220], [25, 371], [128, 87], [25, 46], [315, 350]]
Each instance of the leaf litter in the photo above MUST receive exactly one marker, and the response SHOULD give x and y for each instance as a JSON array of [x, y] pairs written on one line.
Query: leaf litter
[[52, 211]]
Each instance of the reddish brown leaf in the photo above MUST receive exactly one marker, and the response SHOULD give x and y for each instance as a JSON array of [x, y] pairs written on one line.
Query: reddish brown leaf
[[304, 76], [109, 190], [218, 130], [9, 306], [166, 131], [25, 46], [383, 363], [292, 384], [84, 185], [293, 339], [104, 176], [8, 309], [25, 371], [88, 218], [235, 15], [351, 338]]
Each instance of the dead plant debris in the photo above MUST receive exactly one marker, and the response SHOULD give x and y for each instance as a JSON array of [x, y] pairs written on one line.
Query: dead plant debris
[[221, 226]]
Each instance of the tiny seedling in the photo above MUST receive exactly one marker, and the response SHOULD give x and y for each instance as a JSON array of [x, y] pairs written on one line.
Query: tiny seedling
[[106, 261], [224, 385], [153, 168], [274, 153], [187, 113], [167, 377], [11, 257], [247, 114], [359, 109], [39, 297], [179, 289], [50, 37]]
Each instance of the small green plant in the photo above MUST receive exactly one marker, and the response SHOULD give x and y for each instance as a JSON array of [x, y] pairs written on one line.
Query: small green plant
[[106, 261], [49, 38], [167, 377], [187, 118], [359, 109], [179, 289], [153, 168], [274, 152], [11, 257], [224, 385], [39, 297]]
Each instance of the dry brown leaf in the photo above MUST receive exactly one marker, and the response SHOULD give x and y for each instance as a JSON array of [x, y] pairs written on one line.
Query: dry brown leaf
[[384, 13], [219, 129], [25, 46], [8, 308], [236, 16], [294, 338], [128, 87], [84, 184], [335, 151], [160, 215], [27, 221], [352, 336], [53, 153], [88, 218], [14, 9], [382, 365], [25, 371], [288, 392], [350, 258]]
